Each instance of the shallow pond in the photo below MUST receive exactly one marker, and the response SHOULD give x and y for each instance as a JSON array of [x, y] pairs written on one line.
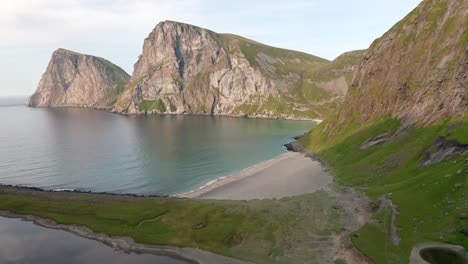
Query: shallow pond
[[24, 242]]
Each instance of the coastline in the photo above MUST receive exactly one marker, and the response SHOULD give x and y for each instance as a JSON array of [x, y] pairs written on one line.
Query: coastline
[[211, 185], [113, 111], [355, 208], [289, 174], [127, 244]]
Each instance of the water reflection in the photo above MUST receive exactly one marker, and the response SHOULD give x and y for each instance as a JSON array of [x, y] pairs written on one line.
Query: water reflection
[[92, 150], [23, 242]]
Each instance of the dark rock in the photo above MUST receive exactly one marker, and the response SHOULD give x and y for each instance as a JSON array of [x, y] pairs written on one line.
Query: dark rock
[[298, 137], [294, 146], [442, 149], [377, 140], [464, 232], [198, 226], [463, 216], [83, 191]]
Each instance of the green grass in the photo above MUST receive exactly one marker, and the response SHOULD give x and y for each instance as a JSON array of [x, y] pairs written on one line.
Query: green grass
[[261, 231], [437, 10], [149, 105], [330, 71], [302, 98], [428, 203], [114, 94], [288, 60]]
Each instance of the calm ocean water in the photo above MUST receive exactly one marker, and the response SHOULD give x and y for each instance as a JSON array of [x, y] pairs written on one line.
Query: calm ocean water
[[91, 150]]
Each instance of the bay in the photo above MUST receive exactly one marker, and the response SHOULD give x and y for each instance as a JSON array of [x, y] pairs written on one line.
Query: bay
[[92, 150]]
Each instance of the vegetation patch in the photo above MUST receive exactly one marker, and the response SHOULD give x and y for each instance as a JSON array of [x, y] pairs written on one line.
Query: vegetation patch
[[114, 94], [150, 105], [261, 231]]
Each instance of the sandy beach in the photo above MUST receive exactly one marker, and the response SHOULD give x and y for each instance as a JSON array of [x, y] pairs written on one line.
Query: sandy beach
[[286, 175]]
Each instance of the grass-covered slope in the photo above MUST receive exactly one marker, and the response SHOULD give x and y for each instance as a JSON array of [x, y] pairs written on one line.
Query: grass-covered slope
[[317, 91], [286, 61], [261, 231], [431, 200]]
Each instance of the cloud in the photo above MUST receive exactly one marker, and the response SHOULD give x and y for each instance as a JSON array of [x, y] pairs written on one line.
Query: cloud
[[26, 22]]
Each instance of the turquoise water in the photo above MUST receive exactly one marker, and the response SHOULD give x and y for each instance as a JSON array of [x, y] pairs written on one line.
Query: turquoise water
[[93, 150]]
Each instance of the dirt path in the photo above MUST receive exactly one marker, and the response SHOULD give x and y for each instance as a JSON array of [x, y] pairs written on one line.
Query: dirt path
[[393, 235], [356, 213]]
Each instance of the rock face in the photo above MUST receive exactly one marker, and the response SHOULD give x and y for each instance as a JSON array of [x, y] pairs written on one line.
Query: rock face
[[416, 72], [74, 79], [187, 69]]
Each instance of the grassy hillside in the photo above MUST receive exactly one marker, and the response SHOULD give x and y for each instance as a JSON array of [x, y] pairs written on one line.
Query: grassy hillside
[[431, 200], [343, 65], [306, 96], [286, 61], [321, 89], [261, 231]]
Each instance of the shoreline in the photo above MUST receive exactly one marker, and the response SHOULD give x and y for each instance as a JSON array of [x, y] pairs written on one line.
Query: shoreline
[[143, 113], [290, 174], [127, 244], [221, 181], [355, 205], [65, 190]]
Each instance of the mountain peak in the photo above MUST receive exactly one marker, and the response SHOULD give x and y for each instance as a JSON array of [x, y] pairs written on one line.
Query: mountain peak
[[188, 69], [75, 79], [66, 51]]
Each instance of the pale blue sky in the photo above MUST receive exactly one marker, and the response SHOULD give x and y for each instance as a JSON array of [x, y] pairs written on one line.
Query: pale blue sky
[[30, 30]]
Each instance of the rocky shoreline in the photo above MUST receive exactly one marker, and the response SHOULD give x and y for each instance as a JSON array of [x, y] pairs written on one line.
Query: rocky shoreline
[[85, 192], [113, 111], [271, 117]]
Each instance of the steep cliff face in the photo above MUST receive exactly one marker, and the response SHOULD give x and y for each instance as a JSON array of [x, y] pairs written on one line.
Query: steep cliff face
[[187, 69], [417, 71], [74, 79]]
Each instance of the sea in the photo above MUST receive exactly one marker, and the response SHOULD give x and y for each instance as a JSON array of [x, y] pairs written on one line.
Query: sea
[[91, 150]]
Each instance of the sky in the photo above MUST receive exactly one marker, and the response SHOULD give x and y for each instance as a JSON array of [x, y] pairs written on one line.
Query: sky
[[30, 30]]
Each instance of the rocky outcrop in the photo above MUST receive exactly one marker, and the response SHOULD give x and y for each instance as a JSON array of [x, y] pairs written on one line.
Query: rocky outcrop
[[187, 69], [416, 72], [74, 79], [442, 149]]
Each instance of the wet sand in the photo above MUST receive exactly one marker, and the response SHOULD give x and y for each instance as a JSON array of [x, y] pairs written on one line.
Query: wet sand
[[287, 175]]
